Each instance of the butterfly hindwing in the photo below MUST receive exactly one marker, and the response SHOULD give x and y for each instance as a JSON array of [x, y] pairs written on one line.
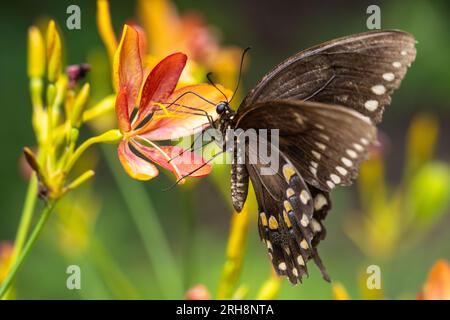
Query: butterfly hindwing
[[286, 219], [321, 206], [326, 143], [359, 72]]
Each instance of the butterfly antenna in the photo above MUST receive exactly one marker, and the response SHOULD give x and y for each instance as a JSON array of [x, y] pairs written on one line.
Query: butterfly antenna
[[208, 76], [240, 72]]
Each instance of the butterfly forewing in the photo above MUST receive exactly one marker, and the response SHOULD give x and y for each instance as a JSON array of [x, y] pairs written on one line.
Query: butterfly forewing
[[359, 71]]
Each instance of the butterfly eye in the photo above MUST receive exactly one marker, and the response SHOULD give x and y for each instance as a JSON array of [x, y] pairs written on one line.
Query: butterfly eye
[[221, 107]]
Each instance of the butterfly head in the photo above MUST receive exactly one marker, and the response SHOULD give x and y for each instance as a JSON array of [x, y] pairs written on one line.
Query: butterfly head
[[226, 116], [223, 108]]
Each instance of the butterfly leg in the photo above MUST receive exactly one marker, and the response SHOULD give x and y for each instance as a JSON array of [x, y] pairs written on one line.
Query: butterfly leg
[[191, 148], [193, 171]]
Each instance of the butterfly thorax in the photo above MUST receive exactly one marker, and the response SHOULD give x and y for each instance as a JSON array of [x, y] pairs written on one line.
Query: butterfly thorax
[[225, 122]]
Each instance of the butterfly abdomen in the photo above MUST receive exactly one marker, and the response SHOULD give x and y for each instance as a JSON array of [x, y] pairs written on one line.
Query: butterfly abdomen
[[239, 185]]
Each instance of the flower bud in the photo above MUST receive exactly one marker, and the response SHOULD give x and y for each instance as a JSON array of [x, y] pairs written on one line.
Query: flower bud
[[74, 133], [36, 53], [80, 105], [51, 94], [198, 292], [31, 159], [54, 52], [111, 136], [76, 72], [80, 180]]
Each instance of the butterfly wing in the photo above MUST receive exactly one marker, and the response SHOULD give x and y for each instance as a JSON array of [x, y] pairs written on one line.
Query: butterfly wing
[[287, 223], [358, 71], [325, 143], [324, 102], [293, 200]]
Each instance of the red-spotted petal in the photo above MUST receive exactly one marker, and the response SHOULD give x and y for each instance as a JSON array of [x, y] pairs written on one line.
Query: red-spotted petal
[[128, 71], [182, 164], [183, 121], [160, 83], [135, 166]]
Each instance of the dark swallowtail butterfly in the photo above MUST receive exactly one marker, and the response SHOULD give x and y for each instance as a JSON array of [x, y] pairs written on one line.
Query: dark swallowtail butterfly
[[325, 101]]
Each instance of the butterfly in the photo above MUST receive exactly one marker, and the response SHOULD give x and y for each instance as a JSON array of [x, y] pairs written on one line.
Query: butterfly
[[325, 102]]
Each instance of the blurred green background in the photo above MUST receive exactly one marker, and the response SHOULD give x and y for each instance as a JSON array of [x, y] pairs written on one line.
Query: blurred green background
[[195, 218]]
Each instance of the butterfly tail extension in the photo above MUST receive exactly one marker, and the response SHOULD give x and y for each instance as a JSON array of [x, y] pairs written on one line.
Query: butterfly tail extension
[[322, 204]]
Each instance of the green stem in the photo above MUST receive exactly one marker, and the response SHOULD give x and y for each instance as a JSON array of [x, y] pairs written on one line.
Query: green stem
[[26, 250], [168, 278], [111, 136], [113, 277], [25, 218], [188, 236], [27, 214]]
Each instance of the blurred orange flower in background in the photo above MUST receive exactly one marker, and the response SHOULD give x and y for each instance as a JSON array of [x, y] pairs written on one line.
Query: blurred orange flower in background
[[188, 33], [437, 285]]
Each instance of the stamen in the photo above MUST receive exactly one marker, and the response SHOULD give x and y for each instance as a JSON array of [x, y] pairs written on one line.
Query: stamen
[[165, 155]]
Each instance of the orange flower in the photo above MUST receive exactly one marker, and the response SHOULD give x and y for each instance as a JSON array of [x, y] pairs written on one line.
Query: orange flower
[[437, 286], [155, 118], [188, 33]]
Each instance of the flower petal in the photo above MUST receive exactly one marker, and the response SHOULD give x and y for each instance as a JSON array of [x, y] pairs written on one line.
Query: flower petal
[[160, 83], [181, 165], [142, 39], [123, 117], [128, 71], [136, 167], [184, 122]]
